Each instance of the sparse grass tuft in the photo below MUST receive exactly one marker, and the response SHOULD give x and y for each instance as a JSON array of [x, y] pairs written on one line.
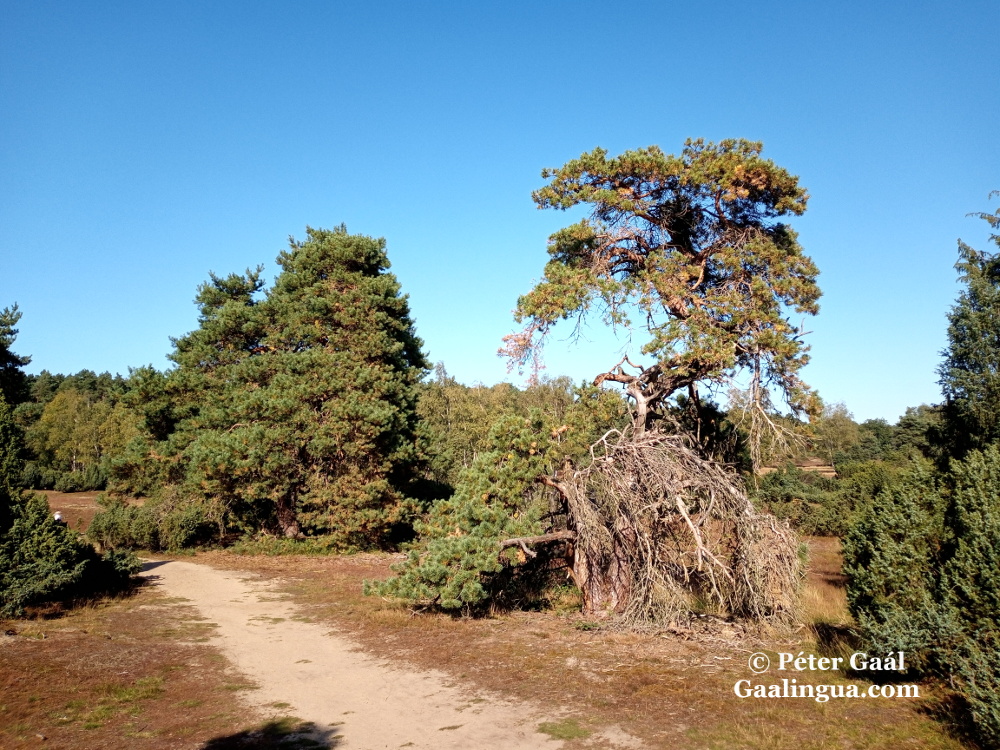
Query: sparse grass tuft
[[235, 687], [567, 729]]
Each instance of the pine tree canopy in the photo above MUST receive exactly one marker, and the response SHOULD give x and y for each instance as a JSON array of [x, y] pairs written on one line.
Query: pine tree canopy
[[298, 403], [970, 373], [13, 383], [689, 250]]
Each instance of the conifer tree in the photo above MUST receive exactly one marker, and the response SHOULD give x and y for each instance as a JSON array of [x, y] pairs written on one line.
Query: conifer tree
[[970, 590], [892, 557], [299, 402], [970, 374], [13, 382], [922, 559], [458, 561], [689, 252]]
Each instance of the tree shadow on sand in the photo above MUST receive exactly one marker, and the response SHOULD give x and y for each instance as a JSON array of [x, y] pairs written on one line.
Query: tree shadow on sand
[[280, 734]]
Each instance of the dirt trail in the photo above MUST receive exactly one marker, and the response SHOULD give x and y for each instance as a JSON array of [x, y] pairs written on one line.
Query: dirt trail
[[326, 680]]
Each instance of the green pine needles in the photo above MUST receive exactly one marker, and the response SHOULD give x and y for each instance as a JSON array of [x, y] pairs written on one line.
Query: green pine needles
[[925, 579], [970, 373], [294, 407], [923, 557], [459, 563]]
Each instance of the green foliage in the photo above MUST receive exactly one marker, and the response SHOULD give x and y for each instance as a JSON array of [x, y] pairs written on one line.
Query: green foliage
[[835, 431], [890, 556], [457, 562], [146, 394], [919, 433], [76, 426], [689, 249], [13, 382], [77, 436], [970, 589], [876, 441], [923, 556], [925, 578], [457, 419], [291, 408], [970, 374], [40, 558], [162, 523], [810, 501]]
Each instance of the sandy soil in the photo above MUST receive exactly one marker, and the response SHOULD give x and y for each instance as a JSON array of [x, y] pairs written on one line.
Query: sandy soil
[[321, 676]]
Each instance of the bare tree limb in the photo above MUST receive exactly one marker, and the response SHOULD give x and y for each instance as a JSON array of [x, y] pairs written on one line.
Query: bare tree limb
[[555, 536]]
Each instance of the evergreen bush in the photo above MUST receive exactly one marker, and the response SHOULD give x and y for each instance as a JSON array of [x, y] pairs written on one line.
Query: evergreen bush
[[457, 564], [923, 561], [42, 559], [890, 556], [969, 590], [158, 524], [807, 499]]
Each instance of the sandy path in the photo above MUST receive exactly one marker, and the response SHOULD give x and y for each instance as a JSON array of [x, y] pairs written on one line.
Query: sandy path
[[371, 704]]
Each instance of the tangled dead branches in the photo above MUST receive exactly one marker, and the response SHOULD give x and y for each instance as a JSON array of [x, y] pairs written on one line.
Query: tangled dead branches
[[662, 531]]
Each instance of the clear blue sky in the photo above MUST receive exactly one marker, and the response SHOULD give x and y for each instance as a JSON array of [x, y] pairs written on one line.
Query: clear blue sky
[[144, 144]]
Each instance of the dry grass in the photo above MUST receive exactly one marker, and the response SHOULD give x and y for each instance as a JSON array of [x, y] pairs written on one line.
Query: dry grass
[[141, 673], [132, 672], [78, 508], [667, 689], [824, 599]]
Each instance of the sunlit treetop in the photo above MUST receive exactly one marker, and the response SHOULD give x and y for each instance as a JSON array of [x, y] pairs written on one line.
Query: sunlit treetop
[[689, 251]]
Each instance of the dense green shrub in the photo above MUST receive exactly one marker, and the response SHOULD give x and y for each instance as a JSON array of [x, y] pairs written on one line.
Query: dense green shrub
[[969, 590], [457, 562], [810, 501], [162, 523], [37, 477], [41, 559], [890, 556], [93, 477], [923, 561]]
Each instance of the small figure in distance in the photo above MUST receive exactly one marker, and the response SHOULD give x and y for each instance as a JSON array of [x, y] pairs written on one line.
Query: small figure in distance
[[59, 519]]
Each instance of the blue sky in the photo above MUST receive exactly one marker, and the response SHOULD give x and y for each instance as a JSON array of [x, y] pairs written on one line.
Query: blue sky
[[144, 144]]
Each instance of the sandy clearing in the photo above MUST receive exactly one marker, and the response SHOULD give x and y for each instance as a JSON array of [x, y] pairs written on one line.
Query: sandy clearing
[[326, 679]]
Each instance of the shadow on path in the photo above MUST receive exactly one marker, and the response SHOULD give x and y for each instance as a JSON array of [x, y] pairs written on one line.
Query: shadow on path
[[286, 734]]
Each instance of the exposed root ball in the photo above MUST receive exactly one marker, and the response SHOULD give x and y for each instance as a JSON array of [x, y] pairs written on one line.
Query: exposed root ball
[[662, 532]]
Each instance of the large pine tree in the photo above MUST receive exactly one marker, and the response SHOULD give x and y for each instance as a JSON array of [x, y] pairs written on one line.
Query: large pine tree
[[13, 382], [300, 401], [970, 373]]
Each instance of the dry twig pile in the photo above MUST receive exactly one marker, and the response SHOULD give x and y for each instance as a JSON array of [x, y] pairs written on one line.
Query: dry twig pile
[[662, 531]]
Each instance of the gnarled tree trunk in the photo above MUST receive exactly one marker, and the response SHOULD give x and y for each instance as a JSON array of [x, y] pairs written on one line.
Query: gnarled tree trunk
[[288, 521]]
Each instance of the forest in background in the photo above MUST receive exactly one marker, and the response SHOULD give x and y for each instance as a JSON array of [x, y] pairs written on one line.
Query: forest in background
[[304, 417]]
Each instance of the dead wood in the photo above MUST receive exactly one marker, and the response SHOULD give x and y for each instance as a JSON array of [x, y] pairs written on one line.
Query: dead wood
[[555, 536], [663, 532]]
